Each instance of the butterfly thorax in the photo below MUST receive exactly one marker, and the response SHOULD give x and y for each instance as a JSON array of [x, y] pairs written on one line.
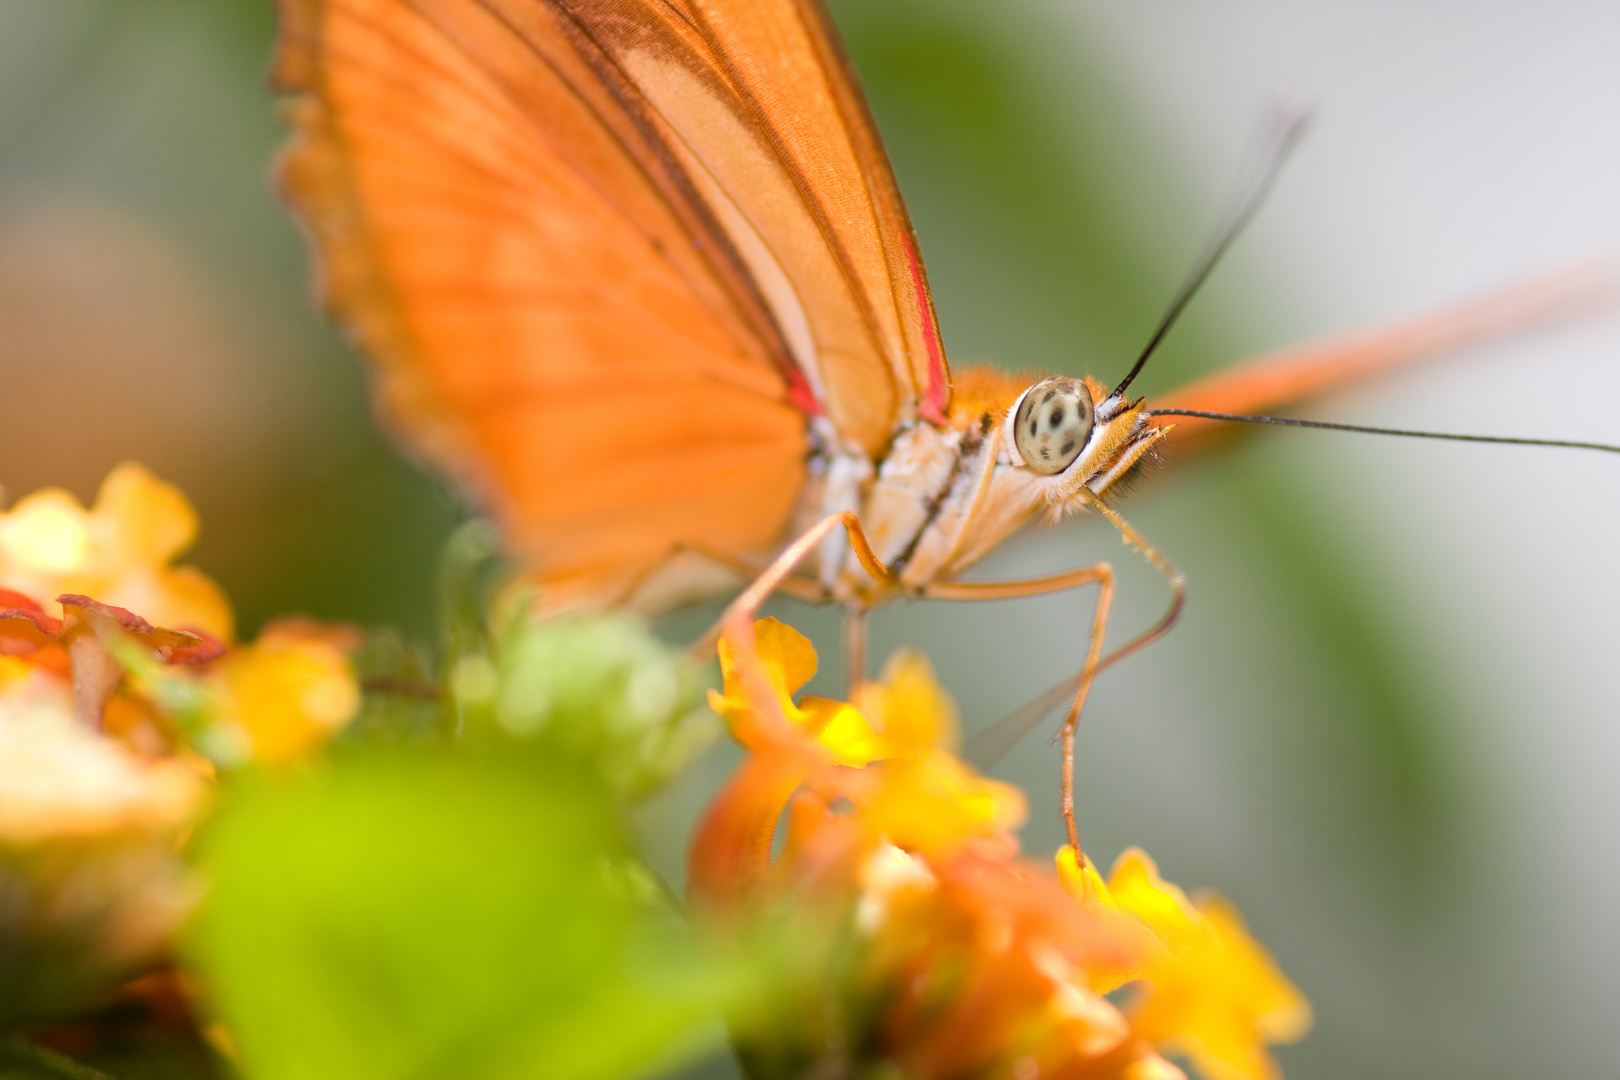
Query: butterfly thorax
[[942, 495]]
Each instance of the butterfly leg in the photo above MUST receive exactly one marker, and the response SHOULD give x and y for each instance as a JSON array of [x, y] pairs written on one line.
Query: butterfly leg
[[854, 646], [742, 609], [1102, 575], [1009, 730], [1172, 577]]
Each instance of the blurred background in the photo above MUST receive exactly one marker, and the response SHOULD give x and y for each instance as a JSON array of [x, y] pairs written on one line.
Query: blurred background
[[1388, 726]]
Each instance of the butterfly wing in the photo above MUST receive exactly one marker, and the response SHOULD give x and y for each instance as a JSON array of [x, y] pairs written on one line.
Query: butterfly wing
[[607, 258], [1282, 378]]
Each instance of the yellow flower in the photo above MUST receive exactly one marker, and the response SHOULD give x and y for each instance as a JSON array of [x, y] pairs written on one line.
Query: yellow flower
[[1214, 994], [925, 799], [96, 790], [909, 707], [291, 688], [1143, 951], [933, 803], [784, 660], [118, 552]]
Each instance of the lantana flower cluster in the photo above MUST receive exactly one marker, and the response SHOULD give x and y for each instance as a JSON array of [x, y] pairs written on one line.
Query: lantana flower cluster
[[931, 950], [115, 665]]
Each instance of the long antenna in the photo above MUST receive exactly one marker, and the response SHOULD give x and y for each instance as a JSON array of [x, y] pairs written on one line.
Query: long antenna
[[1403, 432], [1287, 126]]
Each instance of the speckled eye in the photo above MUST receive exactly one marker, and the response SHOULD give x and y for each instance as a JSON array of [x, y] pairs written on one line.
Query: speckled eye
[[1053, 423]]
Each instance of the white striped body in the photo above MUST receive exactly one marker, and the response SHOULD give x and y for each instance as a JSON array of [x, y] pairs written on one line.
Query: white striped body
[[944, 495]]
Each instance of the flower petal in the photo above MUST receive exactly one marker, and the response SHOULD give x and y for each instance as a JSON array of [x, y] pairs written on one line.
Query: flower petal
[[1217, 995], [908, 706]]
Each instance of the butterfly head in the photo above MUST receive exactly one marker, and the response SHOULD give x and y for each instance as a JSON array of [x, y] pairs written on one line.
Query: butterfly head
[[1073, 432]]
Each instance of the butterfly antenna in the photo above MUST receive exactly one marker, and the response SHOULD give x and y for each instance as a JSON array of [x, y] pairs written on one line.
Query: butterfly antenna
[[1284, 131], [1403, 432]]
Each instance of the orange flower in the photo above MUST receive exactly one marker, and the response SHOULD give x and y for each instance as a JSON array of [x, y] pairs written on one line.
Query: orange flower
[[118, 551], [926, 948], [944, 954], [917, 795]]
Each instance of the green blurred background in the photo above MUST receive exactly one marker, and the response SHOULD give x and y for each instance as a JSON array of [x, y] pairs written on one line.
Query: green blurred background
[[1387, 726]]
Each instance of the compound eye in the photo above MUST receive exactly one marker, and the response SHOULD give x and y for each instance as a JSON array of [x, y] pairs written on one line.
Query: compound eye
[[1053, 423]]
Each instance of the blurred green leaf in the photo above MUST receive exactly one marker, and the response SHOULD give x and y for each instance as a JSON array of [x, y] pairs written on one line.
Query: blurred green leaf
[[600, 690], [401, 916], [401, 700], [470, 572]]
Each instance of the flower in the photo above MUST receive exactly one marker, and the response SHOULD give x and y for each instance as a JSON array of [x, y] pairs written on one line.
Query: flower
[[289, 690], [58, 778], [917, 941], [1210, 991], [920, 943], [89, 821], [118, 551], [98, 784], [921, 797]]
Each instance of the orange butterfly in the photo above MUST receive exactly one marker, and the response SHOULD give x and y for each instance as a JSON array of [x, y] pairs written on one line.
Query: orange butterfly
[[638, 276]]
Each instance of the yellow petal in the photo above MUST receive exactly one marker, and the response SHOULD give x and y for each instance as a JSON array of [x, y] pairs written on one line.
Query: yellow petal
[[1083, 882], [1152, 1067], [1216, 995], [934, 804], [118, 552], [46, 533], [1137, 952], [785, 657], [141, 520], [1281, 1012], [288, 691], [840, 728], [190, 598], [786, 653], [1136, 887], [909, 707]]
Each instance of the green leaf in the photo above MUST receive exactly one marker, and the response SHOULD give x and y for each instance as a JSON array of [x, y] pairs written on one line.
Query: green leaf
[[405, 916], [600, 691]]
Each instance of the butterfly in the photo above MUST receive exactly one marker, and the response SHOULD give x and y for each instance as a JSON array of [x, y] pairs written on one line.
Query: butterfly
[[639, 277]]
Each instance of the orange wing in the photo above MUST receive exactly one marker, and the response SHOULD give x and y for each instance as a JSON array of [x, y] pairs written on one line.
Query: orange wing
[[1279, 379], [607, 257]]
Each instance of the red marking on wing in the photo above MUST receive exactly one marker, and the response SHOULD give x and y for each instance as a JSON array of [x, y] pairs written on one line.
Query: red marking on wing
[[800, 395], [933, 402]]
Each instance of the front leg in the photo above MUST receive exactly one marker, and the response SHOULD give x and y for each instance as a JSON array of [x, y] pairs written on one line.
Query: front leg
[[1100, 574], [741, 611]]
